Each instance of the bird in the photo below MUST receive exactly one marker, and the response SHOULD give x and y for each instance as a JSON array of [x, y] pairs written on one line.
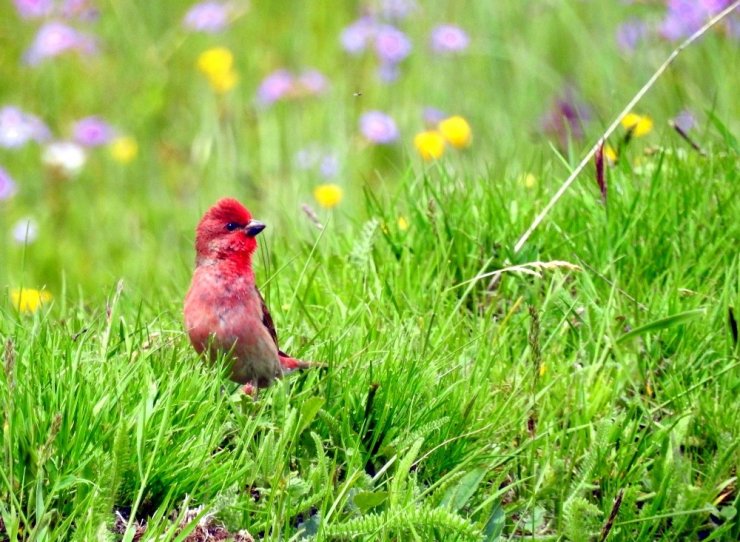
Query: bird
[[224, 311]]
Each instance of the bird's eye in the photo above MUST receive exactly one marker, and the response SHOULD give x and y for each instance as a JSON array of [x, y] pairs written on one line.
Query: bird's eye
[[231, 226]]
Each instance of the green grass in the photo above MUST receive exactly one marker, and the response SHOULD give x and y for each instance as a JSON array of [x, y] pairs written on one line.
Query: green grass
[[450, 408]]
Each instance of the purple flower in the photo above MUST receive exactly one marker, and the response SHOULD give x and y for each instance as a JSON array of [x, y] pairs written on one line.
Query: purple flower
[[433, 116], [377, 127], [564, 121], [391, 45], [329, 166], [447, 38], [80, 9], [312, 82], [7, 185], [388, 72], [275, 86], [397, 9], [55, 38], [356, 37], [211, 17], [18, 128], [31, 9], [92, 132], [685, 120], [306, 158], [630, 33], [684, 17]]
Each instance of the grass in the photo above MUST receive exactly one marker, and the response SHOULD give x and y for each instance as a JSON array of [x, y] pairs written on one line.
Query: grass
[[529, 406]]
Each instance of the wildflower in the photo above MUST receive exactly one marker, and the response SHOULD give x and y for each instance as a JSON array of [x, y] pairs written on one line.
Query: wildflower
[[312, 82], [55, 38], [307, 158], [684, 17], [329, 166], [328, 195], [25, 230], [630, 34], [565, 118], [610, 154], [456, 131], [7, 185], [391, 45], [28, 300], [447, 38], [430, 144], [18, 127], [685, 120], [32, 9], [388, 72], [638, 125], [275, 86], [433, 116], [397, 9], [377, 127], [92, 132], [403, 224], [124, 149], [80, 9], [210, 17], [217, 65], [528, 180], [356, 37], [66, 157]]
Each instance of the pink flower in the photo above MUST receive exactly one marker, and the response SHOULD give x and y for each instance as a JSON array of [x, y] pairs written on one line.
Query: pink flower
[[447, 38], [18, 128], [92, 132], [377, 127], [55, 38], [391, 45], [275, 86], [211, 17], [7, 185], [31, 9], [356, 37]]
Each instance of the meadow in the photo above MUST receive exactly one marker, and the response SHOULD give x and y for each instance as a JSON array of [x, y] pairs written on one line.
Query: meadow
[[584, 386]]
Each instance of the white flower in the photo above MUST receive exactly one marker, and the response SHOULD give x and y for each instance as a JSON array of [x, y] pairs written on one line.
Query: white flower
[[25, 231], [65, 156]]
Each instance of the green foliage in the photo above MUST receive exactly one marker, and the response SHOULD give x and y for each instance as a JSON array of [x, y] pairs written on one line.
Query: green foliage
[[443, 411]]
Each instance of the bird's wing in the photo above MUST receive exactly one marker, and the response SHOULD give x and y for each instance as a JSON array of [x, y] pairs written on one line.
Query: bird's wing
[[267, 321]]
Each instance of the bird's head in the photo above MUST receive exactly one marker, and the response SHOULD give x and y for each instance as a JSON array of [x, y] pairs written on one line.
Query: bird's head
[[226, 231]]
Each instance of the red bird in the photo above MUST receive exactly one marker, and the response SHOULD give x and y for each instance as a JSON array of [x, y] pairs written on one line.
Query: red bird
[[224, 310]]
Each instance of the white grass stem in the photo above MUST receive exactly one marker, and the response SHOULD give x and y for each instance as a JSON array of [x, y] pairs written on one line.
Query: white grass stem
[[613, 126]]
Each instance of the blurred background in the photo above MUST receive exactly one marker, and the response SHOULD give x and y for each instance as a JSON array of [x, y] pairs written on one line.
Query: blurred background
[[122, 121]]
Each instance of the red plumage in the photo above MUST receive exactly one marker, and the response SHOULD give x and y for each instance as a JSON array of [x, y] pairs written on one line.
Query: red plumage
[[224, 311]]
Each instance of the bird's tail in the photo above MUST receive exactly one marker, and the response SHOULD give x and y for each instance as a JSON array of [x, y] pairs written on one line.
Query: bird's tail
[[291, 364]]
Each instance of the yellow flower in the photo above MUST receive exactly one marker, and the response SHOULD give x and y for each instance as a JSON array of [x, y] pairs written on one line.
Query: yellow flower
[[639, 125], [28, 300], [456, 131], [217, 65], [224, 82], [124, 149], [430, 144], [610, 154], [215, 60], [543, 369], [403, 224], [328, 195], [528, 180]]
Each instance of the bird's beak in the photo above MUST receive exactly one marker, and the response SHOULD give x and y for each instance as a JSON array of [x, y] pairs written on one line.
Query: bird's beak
[[254, 227]]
